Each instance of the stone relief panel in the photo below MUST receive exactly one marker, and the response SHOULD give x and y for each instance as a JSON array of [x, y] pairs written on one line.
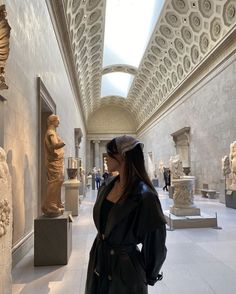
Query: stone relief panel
[[5, 224], [5, 187], [185, 34]]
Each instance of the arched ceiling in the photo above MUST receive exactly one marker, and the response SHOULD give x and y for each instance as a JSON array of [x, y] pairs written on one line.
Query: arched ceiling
[[186, 33]]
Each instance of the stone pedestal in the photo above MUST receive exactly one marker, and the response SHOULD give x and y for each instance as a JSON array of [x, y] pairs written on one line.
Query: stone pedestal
[[52, 240], [183, 198], [72, 196], [171, 191], [93, 181], [230, 199], [222, 190], [155, 182], [183, 214]]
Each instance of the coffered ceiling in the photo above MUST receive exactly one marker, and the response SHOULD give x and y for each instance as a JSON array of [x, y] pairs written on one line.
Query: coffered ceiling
[[186, 33]]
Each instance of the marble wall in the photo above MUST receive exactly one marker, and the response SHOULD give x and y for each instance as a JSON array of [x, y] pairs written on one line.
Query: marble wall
[[209, 110], [33, 52]]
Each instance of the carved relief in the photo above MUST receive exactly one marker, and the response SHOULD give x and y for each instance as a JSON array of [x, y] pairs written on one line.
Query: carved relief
[[5, 190], [166, 31], [179, 45], [4, 216], [215, 29], [187, 63], [229, 12], [173, 19], [187, 35], [206, 7], [4, 45], [180, 5], [185, 29], [173, 56], [195, 21], [183, 194], [195, 54], [204, 42]]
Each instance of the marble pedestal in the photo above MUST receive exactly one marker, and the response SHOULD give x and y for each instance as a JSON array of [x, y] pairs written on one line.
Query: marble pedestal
[[183, 198], [183, 222], [72, 196], [52, 240], [222, 190], [93, 181], [171, 191], [184, 214]]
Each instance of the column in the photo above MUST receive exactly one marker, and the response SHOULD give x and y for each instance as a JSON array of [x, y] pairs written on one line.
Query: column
[[96, 154]]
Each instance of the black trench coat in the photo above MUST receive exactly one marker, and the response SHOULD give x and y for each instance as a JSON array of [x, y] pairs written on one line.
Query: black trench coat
[[116, 265]]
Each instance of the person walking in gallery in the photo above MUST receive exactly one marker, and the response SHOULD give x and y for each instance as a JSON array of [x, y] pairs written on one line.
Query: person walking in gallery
[[127, 212], [98, 179], [166, 179], [105, 176]]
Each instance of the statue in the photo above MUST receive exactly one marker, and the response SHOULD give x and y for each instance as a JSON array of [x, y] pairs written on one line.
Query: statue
[[176, 167], [226, 166], [4, 45], [54, 161], [5, 190], [233, 164], [5, 225]]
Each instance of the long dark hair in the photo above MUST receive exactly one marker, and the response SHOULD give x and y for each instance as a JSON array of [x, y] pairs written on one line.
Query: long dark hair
[[134, 167]]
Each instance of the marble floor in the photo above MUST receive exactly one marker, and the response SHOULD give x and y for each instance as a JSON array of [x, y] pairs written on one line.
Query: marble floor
[[199, 261]]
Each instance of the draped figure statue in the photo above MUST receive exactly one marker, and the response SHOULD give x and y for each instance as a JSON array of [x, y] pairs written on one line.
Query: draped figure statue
[[54, 162], [233, 164]]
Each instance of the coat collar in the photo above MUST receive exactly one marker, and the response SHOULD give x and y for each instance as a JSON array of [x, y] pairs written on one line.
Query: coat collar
[[118, 211]]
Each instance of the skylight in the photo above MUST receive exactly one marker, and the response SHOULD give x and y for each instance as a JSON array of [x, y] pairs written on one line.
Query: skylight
[[128, 28], [116, 84]]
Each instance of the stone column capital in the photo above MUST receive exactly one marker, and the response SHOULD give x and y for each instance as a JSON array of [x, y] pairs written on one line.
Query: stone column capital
[[96, 141]]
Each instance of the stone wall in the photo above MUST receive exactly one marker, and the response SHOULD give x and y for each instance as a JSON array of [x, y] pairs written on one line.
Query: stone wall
[[34, 52], [111, 120], [209, 110]]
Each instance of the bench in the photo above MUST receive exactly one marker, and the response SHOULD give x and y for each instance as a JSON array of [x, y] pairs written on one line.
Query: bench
[[208, 193]]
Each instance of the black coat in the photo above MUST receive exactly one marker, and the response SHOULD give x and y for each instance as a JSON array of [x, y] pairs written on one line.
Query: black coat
[[116, 265]]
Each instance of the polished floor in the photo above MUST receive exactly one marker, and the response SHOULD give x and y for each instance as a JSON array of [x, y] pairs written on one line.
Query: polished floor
[[199, 261]]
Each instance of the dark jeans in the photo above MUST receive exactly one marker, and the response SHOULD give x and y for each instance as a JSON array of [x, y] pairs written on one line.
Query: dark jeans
[[165, 188], [97, 183]]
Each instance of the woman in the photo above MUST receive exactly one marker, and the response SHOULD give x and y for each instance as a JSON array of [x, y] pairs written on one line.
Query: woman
[[127, 213]]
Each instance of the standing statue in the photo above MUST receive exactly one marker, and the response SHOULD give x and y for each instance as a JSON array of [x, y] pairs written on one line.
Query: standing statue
[[233, 164], [54, 161], [4, 45], [226, 166], [176, 167]]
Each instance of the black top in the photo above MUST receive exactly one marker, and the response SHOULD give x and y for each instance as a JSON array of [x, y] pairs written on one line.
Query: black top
[[105, 209]]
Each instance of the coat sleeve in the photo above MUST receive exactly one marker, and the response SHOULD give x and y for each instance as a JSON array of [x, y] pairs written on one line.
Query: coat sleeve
[[152, 235], [154, 253]]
